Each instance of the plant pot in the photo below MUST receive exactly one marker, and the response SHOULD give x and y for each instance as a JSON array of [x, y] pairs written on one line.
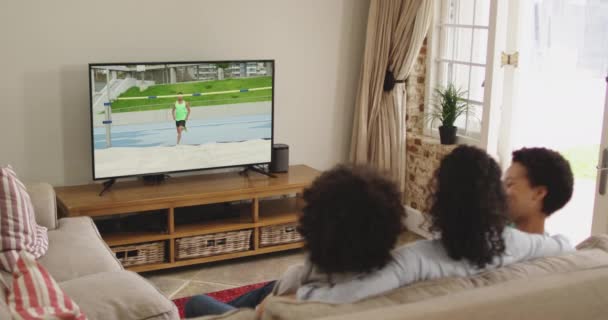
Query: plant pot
[[447, 134]]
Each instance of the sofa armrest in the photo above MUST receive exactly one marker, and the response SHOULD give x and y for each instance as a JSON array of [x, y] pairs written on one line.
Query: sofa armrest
[[119, 295], [45, 204]]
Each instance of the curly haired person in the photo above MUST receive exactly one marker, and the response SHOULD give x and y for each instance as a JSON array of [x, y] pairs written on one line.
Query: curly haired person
[[350, 222]]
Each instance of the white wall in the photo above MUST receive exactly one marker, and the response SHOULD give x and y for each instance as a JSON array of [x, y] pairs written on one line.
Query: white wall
[[45, 47]]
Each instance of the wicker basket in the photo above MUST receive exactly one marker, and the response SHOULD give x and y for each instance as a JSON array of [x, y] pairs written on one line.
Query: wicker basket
[[138, 254], [279, 234], [213, 244]]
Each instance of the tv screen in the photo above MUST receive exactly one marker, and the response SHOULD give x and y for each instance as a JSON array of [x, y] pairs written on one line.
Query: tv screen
[[153, 118]]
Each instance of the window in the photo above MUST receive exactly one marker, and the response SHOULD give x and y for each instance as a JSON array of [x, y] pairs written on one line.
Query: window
[[459, 45]]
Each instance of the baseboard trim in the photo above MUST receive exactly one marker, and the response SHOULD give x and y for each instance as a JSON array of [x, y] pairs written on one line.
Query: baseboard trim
[[413, 222]]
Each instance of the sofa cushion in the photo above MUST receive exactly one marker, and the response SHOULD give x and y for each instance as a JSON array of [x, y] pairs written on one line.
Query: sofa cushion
[[591, 257], [76, 249], [45, 204], [36, 295], [574, 295], [599, 241], [18, 228], [287, 308], [119, 295]]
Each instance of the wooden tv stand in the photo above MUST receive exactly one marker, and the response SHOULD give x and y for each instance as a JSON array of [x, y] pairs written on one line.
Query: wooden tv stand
[[261, 195]]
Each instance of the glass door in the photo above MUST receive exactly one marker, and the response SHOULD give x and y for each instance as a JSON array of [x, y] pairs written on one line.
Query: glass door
[[555, 96]]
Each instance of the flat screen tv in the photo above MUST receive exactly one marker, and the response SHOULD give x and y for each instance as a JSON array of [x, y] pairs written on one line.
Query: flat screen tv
[[150, 118]]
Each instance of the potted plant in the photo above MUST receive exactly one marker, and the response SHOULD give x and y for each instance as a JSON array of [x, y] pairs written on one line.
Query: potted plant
[[448, 105]]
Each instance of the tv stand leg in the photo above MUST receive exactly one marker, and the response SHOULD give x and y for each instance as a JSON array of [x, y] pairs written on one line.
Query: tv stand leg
[[245, 171], [106, 186]]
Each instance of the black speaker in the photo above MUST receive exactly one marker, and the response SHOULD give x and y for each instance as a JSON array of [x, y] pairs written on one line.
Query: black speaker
[[280, 158]]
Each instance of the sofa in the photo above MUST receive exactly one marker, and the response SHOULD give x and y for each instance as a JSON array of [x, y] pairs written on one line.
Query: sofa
[[87, 270], [570, 286]]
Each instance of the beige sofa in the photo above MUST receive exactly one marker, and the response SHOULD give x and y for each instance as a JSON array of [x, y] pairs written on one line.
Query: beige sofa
[[571, 286], [86, 269]]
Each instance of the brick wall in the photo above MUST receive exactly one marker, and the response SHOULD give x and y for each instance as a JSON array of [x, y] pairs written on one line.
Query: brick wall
[[415, 87], [423, 157], [423, 153]]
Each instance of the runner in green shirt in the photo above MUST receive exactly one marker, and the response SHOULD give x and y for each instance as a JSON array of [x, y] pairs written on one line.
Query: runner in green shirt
[[181, 113]]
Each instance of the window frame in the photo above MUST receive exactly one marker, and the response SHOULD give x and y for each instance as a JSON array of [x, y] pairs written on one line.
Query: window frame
[[436, 37]]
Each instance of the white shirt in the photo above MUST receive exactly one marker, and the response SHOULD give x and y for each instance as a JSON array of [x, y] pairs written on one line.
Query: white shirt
[[427, 260]]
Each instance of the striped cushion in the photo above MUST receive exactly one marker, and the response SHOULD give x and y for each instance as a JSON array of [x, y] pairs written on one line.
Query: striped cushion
[[35, 295], [18, 228]]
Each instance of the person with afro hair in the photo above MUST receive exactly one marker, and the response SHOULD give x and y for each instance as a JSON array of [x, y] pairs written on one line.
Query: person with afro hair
[[350, 222], [539, 182]]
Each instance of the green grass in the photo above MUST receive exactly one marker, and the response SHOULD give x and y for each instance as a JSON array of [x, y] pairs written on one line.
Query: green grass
[[583, 160], [195, 87], [204, 86]]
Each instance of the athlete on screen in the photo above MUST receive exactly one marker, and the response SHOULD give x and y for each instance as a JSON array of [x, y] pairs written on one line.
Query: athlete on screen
[[181, 113]]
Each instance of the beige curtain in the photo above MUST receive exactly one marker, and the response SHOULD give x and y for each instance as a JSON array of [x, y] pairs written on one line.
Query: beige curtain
[[395, 32]]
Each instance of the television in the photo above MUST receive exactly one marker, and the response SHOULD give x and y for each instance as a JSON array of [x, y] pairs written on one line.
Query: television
[[153, 118]]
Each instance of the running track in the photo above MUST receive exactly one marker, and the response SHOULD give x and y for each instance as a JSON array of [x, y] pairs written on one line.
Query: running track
[[226, 129]]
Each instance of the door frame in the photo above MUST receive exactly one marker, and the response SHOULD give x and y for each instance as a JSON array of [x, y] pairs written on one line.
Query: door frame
[[600, 208], [494, 78], [511, 30]]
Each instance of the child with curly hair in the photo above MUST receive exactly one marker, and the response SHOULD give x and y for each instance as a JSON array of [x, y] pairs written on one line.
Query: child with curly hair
[[350, 223]]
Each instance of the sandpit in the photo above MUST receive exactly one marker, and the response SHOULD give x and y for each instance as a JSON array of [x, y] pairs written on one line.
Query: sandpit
[[126, 161]]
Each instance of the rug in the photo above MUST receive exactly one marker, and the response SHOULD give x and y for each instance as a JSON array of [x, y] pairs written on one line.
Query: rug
[[223, 295]]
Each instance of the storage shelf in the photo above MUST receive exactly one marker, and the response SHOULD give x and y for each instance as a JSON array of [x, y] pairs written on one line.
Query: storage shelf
[[280, 211], [192, 206], [132, 196], [224, 225], [125, 238], [281, 247], [234, 255]]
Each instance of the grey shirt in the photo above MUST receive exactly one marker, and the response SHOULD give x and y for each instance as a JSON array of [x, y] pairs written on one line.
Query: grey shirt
[[421, 260]]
